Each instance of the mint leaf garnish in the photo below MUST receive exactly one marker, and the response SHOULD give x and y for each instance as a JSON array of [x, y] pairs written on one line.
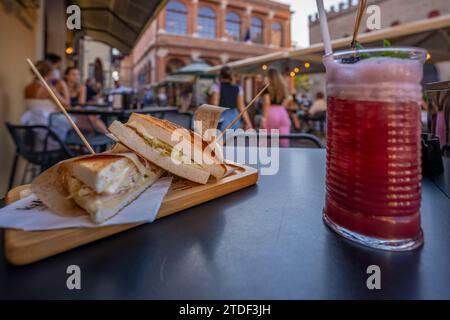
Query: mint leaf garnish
[[386, 44], [359, 46], [361, 55]]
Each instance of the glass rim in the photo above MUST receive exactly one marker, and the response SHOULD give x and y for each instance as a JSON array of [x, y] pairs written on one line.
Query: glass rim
[[415, 52]]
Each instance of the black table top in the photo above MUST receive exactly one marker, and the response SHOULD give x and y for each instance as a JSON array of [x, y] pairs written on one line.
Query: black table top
[[264, 242], [109, 111]]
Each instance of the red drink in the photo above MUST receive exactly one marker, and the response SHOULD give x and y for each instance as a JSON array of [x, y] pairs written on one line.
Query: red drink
[[373, 151]]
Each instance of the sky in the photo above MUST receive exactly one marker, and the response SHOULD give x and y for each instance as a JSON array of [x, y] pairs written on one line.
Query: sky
[[303, 8]]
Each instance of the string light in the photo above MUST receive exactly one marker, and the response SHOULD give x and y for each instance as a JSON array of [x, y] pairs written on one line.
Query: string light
[[307, 65], [428, 56], [264, 67], [69, 50], [296, 70], [292, 74]]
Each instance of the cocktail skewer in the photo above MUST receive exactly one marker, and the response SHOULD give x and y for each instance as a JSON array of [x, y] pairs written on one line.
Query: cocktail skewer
[[244, 110]]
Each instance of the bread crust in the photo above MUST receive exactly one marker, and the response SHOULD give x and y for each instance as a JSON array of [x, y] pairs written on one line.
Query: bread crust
[[130, 139], [174, 134]]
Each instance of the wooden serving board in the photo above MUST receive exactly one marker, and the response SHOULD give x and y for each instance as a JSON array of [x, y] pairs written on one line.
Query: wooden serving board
[[24, 247]]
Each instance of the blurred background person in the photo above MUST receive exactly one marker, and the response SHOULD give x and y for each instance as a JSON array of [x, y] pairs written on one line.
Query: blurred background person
[[78, 97], [293, 106], [37, 99], [149, 97], [119, 88], [315, 112], [40, 106], [77, 91], [92, 92], [185, 99], [229, 95], [57, 80], [275, 101], [319, 106], [305, 101], [161, 98]]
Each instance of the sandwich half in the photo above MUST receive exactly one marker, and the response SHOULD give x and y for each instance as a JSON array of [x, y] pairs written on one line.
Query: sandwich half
[[165, 144], [104, 184]]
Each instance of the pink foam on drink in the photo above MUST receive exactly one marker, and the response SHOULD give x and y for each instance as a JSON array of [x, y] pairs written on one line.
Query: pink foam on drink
[[375, 79]]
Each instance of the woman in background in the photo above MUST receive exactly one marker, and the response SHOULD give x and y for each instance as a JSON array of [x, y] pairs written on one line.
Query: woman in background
[[40, 106], [229, 95], [78, 97], [92, 94], [57, 81], [36, 93], [77, 91], [275, 101]]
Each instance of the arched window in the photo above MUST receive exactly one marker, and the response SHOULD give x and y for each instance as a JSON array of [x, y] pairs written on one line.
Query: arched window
[[176, 17], [233, 27], [148, 77], [98, 70], [173, 65], [206, 23], [256, 30], [434, 13], [277, 34], [142, 76]]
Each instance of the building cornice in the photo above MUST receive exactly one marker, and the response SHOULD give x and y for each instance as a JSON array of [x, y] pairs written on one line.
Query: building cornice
[[214, 42], [272, 4], [191, 44], [342, 10]]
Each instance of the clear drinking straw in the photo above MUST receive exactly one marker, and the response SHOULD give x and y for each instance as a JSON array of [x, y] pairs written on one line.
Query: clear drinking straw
[[324, 27]]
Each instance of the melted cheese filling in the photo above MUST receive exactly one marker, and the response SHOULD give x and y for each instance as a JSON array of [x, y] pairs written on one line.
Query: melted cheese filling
[[78, 189], [163, 148]]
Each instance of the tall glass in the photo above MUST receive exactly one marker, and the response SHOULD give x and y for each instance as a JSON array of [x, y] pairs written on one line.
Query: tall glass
[[373, 182]]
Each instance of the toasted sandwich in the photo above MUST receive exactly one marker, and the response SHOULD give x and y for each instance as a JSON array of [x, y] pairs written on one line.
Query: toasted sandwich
[[164, 144], [104, 184]]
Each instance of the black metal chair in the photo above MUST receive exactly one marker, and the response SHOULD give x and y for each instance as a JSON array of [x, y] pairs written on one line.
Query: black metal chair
[[321, 119], [39, 145], [159, 115], [297, 140], [183, 119], [99, 142]]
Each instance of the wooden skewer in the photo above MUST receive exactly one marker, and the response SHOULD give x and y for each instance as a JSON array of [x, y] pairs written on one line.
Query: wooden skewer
[[244, 110], [58, 103], [361, 8]]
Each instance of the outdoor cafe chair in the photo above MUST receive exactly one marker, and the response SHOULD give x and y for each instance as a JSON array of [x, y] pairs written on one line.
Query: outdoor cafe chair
[[98, 141], [319, 118], [37, 144]]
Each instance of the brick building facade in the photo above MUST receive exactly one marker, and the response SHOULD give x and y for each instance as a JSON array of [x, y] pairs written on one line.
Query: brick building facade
[[216, 31], [341, 19]]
